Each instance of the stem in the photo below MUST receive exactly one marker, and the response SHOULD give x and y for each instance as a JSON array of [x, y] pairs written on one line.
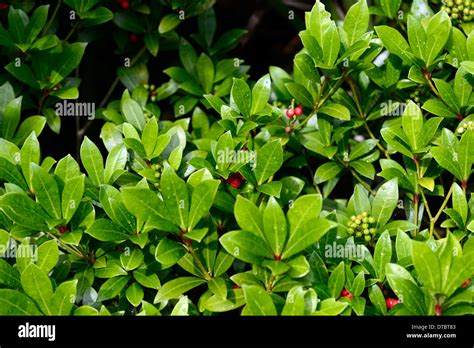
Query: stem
[[359, 179], [48, 26], [380, 146], [206, 274], [425, 202], [76, 25], [443, 205]]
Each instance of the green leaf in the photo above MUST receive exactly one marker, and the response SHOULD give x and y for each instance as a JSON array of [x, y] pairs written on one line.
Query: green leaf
[[242, 96], [466, 154], [48, 256], [245, 246], [46, 191], [274, 226], [300, 93], [269, 160], [107, 231], [416, 37], [337, 111], [116, 160], [385, 202], [64, 298], [326, 172], [169, 252], [305, 236], [412, 123], [337, 280], [30, 153], [330, 306], [406, 289], [92, 161], [11, 118], [447, 94], [132, 112], [175, 195], [23, 211], [260, 94], [259, 302], [390, 7], [377, 298], [176, 287], [445, 159], [356, 21], [168, 23], [321, 26], [395, 42], [205, 72], [459, 202], [248, 216], [135, 294], [427, 266], [112, 287], [13, 302], [437, 35], [201, 201], [37, 285], [131, 260], [9, 276], [218, 287], [382, 255]]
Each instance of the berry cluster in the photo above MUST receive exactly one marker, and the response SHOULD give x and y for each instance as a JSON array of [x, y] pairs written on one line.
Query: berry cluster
[[153, 93], [459, 10], [125, 4], [294, 111], [235, 180], [464, 126], [360, 225]]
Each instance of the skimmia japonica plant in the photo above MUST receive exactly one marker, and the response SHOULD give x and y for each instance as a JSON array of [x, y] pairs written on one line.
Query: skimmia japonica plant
[[341, 187]]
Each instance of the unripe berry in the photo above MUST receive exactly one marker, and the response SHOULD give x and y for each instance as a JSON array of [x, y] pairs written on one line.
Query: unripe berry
[[350, 230], [353, 218], [366, 231], [365, 226], [365, 220], [367, 238], [359, 234], [372, 230], [364, 214], [371, 220]]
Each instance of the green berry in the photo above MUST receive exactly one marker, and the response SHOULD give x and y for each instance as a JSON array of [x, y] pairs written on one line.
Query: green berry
[[353, 218], [358, 221], [364, 214], [349, 224], [460, 130], [371, 220], [365, 220], [366, 231], [350, 230], [367, 238], [364, 226], [372, 230], [146, 85], [359, 234]]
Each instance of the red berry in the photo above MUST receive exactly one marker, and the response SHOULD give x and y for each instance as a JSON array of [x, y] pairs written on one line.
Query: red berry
[[298, 110], [125, 4], [3, 6], [234, 182], [235, 286], [390, 302], [466, 283], [345, 293], [133, 38], [290, 113]]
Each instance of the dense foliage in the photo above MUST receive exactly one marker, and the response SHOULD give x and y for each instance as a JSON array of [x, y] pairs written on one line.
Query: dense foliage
[[341, 188]]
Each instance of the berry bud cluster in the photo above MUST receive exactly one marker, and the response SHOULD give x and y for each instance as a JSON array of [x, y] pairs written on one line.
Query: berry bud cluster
[[464, 126], [460, 10], [362, 226], [153, 94]]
